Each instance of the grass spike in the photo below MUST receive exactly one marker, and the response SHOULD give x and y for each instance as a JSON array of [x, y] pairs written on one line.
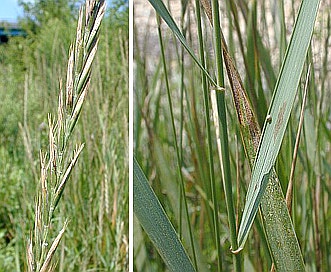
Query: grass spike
[[55, 171]]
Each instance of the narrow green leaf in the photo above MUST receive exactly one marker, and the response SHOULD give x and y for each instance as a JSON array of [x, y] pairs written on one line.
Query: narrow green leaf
[[277, 221], [279, 113], [279, 229], [161, 9], [155, 222]]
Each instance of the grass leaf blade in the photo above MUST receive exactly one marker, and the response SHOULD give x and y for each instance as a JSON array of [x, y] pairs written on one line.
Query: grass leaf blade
[[279, 111], [161, 9], [279, 229], [155, 222]]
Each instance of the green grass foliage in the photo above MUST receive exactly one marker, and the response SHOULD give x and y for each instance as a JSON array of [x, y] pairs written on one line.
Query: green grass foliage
[[195, 164]]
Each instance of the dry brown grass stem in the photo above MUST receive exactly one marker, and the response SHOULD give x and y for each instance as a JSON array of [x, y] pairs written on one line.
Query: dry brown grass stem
[[289, 192]]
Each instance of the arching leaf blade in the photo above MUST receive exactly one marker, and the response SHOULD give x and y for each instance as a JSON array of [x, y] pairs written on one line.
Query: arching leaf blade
[[279, 111], [162, 11]]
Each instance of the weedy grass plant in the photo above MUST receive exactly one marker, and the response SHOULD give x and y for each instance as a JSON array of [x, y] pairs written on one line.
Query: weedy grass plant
[[92, 217], [208, 137]]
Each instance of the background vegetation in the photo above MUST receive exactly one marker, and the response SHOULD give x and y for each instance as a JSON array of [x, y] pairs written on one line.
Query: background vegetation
[[257, 33], [96, 197]]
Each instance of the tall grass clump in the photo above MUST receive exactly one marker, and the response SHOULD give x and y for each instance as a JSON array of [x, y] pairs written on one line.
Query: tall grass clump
[[91, 219], [225, 116]]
